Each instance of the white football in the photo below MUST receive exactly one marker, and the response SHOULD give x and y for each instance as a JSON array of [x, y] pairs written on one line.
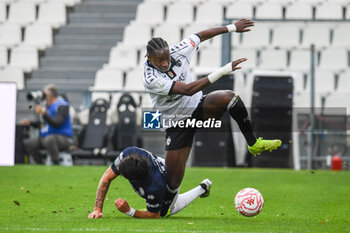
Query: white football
[[249, 202]]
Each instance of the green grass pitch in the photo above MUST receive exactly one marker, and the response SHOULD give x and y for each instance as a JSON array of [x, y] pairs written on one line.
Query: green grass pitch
[[59, 199]]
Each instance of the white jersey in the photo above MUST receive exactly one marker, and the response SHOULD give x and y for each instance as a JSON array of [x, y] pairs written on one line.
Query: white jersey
[[159, 85]]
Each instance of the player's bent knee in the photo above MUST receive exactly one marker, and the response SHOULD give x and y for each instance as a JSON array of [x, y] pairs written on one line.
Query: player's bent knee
[[233, 100]]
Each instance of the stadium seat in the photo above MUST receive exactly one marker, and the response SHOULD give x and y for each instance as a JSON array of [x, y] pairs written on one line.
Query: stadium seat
[[166, 2], [193, 2], [22, 13], [339, 100], [122, 57], [313, 2], [38, 35], [210, 14], [7, 1], [318, 34], [108, 79], [150, 13], [36, 2], [344, 82], [254, 2], [324, 86], [347, 14], [286, 36], [329, 11], [324, 82], [94, 134], [126, 132], [209, 60], [53, 13], [245, 53], [180, 14], [223, 3], [300, 60], [236, 40], [25, 58], [134, 80], [10, 35], [195, 28], [299, 10], [258, 37], [269, 11], [272, 59], [10, 74], [334, 59], [341, 36], [299, 83], [281, 2], [3, 57], [137, 35], [2, 12], [240, 10], [170, 33]]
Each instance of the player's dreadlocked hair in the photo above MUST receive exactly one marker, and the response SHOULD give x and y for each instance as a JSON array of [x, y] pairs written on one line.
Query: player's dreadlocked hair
[[156, 44], [135, 168]]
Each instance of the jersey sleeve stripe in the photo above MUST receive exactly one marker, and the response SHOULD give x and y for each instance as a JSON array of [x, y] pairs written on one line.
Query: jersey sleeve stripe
[[171, 88]]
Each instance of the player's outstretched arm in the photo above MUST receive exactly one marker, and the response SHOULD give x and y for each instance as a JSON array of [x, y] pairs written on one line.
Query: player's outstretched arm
[[194, 87], [124, 207], [102, 190], [241, 25]]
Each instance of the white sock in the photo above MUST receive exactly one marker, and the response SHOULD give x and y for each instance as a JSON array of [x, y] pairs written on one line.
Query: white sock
[[183, 200]]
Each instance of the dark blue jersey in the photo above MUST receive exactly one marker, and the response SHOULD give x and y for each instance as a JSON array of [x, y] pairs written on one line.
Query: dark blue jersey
[[152, 189]]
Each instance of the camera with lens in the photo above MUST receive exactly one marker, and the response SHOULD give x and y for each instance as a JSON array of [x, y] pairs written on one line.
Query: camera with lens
[[36, 96]]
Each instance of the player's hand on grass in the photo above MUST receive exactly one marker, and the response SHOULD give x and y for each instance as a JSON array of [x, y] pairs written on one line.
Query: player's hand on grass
[[96, 214], [243, 24], [236, 63], [122, 205]]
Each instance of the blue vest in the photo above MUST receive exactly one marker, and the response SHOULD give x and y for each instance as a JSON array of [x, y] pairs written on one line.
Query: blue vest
[[66, 127]]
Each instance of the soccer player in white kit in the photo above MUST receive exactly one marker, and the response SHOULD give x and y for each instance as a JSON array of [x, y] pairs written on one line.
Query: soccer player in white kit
[[173, 92]]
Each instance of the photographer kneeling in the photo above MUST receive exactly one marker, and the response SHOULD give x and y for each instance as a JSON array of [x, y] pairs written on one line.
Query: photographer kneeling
[[56, 133]]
